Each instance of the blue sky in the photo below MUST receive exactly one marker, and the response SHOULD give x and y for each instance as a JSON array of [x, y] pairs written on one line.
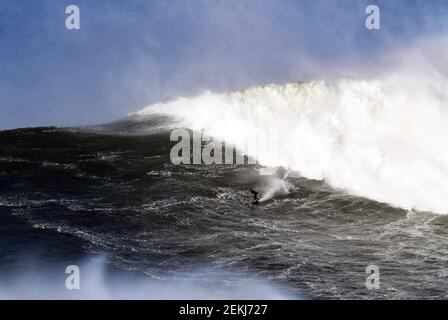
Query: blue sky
[[129, 54]]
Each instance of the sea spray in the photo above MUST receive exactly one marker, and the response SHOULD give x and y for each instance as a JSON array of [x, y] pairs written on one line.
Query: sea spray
[[384, 139]]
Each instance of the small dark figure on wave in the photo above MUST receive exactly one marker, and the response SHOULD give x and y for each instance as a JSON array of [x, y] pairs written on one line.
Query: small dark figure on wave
[[255, 194]]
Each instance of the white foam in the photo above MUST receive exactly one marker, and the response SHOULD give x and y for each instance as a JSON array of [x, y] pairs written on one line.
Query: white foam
[[385, 139], [276, 187]]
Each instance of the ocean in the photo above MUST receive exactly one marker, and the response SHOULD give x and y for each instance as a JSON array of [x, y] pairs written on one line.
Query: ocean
[[109, 199]]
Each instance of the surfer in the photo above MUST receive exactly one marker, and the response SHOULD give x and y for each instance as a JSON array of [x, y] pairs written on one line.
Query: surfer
[[255, 194]]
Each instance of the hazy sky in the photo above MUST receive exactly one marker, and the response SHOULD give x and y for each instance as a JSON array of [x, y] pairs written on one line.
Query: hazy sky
[[129, 54]]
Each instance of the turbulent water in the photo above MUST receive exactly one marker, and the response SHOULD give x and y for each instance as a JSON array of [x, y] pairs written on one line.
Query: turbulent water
[[362, 181], [382, 139]]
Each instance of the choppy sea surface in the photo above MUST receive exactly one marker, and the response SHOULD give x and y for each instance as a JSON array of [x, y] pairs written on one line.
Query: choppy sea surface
[[108, 199]]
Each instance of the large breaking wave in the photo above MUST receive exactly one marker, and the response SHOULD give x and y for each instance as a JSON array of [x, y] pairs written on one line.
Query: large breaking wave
[[385, 139]]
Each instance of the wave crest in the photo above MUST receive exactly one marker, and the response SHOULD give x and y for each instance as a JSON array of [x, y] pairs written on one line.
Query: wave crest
[[382, 139]]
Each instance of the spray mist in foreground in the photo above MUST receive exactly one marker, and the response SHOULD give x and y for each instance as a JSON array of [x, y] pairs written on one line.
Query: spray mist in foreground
[[94, 279]]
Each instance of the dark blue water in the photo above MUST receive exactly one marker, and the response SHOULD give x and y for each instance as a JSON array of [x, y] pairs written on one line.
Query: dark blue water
[[109, 199]]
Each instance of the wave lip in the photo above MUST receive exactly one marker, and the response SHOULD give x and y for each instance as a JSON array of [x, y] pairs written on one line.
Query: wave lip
[[381, 139]]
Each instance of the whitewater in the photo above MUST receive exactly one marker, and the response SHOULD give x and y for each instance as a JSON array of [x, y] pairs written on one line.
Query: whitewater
[[384, 139]]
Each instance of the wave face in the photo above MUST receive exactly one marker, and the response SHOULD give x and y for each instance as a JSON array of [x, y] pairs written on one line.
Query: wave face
[[381, 139]]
